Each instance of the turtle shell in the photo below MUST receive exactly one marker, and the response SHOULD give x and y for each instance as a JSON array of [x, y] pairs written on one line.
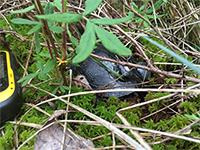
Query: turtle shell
[[99, 76]]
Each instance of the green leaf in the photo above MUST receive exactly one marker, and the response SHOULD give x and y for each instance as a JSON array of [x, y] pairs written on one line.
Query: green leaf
[[108, 21], [181, 59], [135, 7], [23, 10], [87, 43], [66, 87], [56, 29], [111, 42], [58, 4], [152, 16], [26, 9], [35, 28], [49, 65], [55, 90], [24, 21], [139, 20], [37, 43], [25, 83], [47, 55], [156, 6], [74, 40], [28, 77], [62, 89], [65, 17], [37, 58], [142, 7], [48, 9], [42, 75], [40, 65], [145, 23], [90, 6]]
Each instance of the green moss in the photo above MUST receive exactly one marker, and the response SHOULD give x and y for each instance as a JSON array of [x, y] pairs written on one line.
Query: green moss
[[153, 95], [170, 147], [6, 142], [189, 107], [4, 24], [159, 146], [177, 122], [150, 124], [170, 80]]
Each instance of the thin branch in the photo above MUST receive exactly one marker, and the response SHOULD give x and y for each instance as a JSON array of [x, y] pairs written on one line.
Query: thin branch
[[153, 69]]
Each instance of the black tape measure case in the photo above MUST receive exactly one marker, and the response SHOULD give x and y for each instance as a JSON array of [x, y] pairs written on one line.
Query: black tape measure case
[[10, 93]]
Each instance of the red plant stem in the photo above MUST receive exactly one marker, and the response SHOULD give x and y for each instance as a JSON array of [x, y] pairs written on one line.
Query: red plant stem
[[64, 6], [49, 47], [64, 32]]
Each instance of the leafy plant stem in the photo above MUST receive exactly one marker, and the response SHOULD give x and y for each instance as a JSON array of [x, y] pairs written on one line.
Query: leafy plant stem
[[48, 35]]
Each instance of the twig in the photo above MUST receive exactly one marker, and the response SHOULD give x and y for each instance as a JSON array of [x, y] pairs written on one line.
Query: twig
[[17, 6], [157, 99], [66, 117], [153, 69], [136, 135], [98, 137], [29, 56], [160, 110]]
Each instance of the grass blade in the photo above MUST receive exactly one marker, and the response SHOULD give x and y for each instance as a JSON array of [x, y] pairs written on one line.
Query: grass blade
[[181, 59]]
